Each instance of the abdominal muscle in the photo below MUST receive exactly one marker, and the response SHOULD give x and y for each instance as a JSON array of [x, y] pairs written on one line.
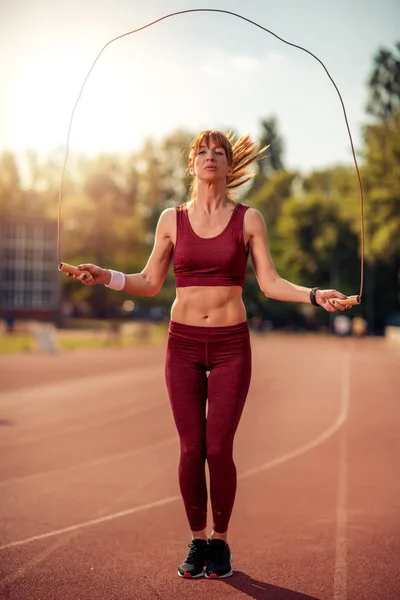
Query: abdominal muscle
[[208, 306]]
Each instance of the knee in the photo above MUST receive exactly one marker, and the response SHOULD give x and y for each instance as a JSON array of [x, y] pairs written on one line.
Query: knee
[[221, 451], [193, 452]]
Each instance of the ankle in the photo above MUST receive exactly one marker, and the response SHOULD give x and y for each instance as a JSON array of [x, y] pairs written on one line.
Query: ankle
[[219, 536], [200, 535]]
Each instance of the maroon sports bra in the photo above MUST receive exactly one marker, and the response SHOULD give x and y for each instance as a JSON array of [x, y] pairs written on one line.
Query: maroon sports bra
[[220, 260]]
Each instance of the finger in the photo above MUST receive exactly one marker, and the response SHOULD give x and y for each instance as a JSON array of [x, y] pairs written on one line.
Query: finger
[[87, 273], [86, 277], [341, 305], [347, 302], [337, 294], [327, 306], [330, 308]]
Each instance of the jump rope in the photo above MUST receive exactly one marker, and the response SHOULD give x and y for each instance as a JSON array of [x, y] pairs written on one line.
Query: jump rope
[[72, 270]]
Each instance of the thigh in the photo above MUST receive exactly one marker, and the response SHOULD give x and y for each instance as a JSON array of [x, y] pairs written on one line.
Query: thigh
[[228, 386], [186, 380]]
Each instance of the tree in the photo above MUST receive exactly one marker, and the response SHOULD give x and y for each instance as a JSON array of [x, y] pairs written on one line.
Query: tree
[[163, 176], [316, 243], [384, 84], [381, 175], [10, 183], [270, 136], [271, 196]]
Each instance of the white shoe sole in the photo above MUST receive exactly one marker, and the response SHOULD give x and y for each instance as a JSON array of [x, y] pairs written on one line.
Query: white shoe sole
[[221, 576], [186, 576]]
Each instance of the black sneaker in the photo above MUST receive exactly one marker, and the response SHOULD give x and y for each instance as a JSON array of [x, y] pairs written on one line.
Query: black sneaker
[[193, 565], [218, 560]]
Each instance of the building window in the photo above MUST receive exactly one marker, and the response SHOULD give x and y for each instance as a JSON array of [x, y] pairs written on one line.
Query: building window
[[10, 274], [28, 274], [49, 234]]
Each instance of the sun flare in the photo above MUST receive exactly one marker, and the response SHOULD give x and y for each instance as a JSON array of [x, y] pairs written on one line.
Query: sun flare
[[48, 88]]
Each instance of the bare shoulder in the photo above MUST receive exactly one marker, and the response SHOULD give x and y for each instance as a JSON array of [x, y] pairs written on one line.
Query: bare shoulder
[[168, 215], [253, 221], [167, 222]]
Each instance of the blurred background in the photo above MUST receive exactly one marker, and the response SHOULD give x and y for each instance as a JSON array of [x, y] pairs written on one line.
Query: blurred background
[[147, 97]]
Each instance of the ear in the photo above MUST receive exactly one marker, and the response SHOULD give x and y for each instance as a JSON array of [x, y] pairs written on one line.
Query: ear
[[230, 171]]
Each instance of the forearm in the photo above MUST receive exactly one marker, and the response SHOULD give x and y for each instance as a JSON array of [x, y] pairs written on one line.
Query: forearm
[[136, 284], [286, 291], [140, 285]]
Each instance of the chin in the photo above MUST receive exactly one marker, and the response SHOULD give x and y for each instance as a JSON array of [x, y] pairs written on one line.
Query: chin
[[210, 177]]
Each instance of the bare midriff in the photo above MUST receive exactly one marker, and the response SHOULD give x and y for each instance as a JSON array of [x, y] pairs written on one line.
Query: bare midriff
[[209, 306]]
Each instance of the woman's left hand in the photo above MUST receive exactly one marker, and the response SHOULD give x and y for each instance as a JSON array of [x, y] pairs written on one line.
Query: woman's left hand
[[323, 298]]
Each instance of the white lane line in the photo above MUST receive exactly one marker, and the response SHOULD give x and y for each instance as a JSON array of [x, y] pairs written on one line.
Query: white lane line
[[264, 467], [90, 463], [342, 417], [340, 572], [117, 515], [39, 558], [83, 425], [38, 397]]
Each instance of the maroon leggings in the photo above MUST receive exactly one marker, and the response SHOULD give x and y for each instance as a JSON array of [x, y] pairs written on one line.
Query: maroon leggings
[[225, 353]]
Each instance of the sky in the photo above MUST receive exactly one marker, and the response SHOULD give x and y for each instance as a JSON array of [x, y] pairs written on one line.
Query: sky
[[193, 71]]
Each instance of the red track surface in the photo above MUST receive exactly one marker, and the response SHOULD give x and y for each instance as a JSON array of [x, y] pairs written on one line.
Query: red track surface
[[88, 477]]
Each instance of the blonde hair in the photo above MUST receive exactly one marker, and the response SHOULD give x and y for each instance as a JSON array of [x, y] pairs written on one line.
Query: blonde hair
[[240, 154]]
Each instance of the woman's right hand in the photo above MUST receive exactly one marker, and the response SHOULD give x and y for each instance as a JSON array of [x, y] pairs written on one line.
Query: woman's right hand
[[98, 275]]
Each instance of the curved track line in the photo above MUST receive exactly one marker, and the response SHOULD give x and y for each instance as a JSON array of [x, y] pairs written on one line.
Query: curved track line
[[344, 403], [342, 417], [123, 513], [90, 463], [55, 392], [136, 409]]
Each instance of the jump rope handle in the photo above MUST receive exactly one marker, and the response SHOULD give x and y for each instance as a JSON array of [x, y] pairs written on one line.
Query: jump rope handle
[[71, 270], [346, 302]]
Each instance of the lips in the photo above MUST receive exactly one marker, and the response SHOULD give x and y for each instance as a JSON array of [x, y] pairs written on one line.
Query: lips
[[210, 168]]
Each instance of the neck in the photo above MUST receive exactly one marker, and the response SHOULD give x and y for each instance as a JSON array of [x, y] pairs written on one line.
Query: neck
[[211, 197]]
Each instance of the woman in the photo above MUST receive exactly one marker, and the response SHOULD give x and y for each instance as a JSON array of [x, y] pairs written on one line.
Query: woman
[[208, 352]]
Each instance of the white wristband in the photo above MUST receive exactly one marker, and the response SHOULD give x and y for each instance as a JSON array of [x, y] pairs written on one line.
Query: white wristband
[[117, 281]]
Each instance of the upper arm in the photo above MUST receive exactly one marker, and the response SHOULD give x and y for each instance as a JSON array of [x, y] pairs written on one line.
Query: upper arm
[[257, 233], [159, 260]]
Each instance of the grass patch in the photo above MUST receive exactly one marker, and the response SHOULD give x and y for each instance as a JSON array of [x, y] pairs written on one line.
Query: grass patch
[[130, 336], [15, 342]]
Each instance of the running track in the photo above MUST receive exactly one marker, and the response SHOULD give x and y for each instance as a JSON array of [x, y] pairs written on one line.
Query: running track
[[90, 506]]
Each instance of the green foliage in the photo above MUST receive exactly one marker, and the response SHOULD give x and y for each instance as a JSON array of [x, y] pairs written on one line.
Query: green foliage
[[384, 85], [270, 136], [382, 184], [10, 185], [315, 242]]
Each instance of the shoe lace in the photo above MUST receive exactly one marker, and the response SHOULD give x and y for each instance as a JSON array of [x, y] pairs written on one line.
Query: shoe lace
[[195, 554], [215, 553]]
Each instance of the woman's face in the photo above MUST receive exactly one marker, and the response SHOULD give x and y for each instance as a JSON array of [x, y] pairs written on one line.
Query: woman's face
[[210, 162]]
